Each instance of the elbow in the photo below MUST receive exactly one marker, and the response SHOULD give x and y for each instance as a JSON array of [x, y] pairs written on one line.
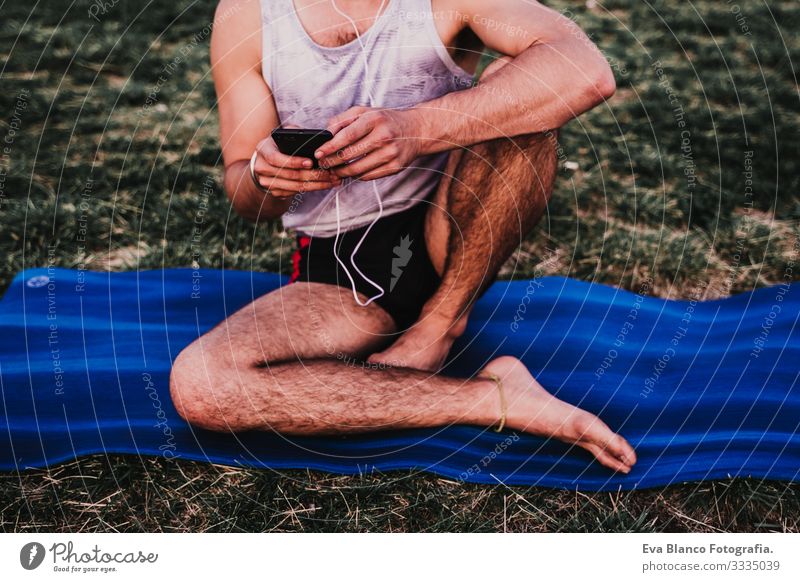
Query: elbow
[[251, 212], [596, 88], [249, 208], [246, 214], [238, 205], [604, 85], [607, 84]]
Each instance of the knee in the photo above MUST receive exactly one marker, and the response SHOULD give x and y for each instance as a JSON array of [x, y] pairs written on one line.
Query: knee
[[191, 386]]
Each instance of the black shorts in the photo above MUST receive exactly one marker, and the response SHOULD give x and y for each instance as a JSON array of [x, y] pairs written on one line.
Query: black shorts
[[394, 255]]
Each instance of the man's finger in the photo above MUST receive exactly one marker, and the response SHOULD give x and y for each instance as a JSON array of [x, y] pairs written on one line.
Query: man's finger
[[265, 169], [294, 185], [379, 172], [344, 138], [366, 164], [275, 158], [315, 175], [283, 194], [356, 150], [345, 118]]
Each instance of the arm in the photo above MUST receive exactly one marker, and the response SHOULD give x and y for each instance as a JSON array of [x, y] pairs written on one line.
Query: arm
[[247, 114], [556, 74]]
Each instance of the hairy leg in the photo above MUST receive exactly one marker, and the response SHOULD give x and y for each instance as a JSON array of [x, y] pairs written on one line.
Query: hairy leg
[[492, 195], [291, 362]]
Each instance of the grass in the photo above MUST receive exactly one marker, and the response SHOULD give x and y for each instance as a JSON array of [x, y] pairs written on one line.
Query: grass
[[106, 175]]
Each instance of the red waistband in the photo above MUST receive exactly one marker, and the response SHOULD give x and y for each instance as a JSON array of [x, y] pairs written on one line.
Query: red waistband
[[302, 242]]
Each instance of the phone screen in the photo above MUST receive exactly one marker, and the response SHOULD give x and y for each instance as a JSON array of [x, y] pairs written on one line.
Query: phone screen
[[301, 142]]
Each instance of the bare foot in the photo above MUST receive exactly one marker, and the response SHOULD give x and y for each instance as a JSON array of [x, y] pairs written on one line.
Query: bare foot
[[534, 410], [423, 347]]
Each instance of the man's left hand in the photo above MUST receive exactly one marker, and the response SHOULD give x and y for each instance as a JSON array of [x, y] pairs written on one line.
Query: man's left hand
[[370, 143]]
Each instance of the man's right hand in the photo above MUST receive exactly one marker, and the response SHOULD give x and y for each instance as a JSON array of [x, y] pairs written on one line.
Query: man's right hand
[[285, 176]]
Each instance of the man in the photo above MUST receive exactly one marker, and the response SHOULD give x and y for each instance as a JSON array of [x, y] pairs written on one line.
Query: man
[[464, 170]]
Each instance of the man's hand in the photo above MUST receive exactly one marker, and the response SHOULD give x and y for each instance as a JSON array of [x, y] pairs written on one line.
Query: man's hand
[[285, 176], [370, 143]]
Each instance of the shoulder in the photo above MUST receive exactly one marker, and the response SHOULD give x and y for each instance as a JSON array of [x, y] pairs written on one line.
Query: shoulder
[[511, 26], [450, 18], [232, 13], [236, 34]]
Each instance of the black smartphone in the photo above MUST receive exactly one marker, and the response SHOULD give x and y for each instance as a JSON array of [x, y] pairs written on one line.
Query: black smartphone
[[301, 142]]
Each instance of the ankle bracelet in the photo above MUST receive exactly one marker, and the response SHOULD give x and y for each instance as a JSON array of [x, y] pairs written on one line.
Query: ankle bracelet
[[503, 407]]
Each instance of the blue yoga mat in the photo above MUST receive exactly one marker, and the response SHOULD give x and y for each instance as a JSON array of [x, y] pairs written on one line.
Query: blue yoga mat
[[702, 390]]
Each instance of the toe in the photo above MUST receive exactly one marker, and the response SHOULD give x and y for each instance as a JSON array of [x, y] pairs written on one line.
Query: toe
[[594, 431], [625, 451], [607, 459], [613, 463], [621, 449]]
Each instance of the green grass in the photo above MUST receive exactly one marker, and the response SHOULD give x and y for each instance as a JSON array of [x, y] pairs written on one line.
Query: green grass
[[623, 211]]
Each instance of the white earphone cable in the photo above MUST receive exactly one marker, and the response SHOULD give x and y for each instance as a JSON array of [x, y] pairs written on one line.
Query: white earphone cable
[[380, 289]]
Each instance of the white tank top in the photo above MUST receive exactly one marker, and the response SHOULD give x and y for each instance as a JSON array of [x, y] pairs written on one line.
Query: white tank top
[[407, 63]]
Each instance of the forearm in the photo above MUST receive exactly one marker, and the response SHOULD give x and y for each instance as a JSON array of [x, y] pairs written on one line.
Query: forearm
[[541, 89], [248, 201]]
